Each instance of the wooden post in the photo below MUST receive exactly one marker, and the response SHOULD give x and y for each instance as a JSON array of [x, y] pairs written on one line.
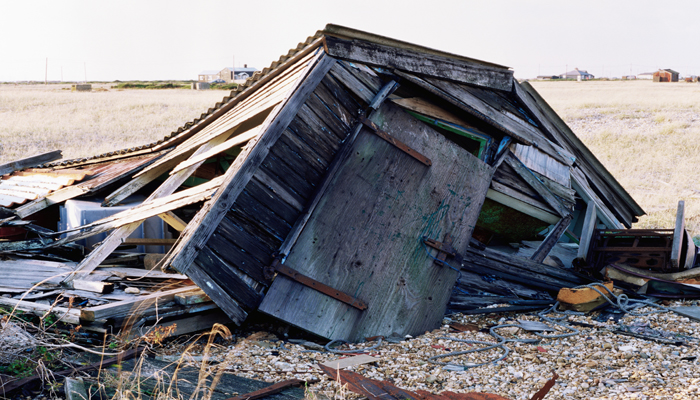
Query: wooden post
[[678, 233]]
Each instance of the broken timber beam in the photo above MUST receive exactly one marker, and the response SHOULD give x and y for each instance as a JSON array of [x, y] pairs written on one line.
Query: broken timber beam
[[552, 238]]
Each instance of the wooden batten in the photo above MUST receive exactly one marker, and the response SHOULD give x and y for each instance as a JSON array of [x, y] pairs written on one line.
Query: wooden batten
[[417, 62]]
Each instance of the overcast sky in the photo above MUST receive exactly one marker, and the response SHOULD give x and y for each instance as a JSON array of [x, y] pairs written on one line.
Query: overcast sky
[[176, 39]]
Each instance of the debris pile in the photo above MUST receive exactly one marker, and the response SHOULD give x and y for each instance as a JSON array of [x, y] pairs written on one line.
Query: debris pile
[[361, 186]]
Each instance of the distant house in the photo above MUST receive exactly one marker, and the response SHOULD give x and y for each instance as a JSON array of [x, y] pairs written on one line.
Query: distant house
[[207, 76], [577, 74], [666, 75], [646, 75], [238, 75], [547, 77]]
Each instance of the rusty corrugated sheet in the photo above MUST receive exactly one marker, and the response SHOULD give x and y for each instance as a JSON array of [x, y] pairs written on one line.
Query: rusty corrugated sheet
[[21, 187], [34, 184]]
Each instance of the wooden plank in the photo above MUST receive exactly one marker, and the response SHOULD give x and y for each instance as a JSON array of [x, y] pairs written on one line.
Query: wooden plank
[[75, 389], [364, 236], [232, 230], [236, 286], [265, 217], [522, 206], [149, 242], [138, 182], [29, 162], [290, 197], [500, 188], [303, 150], [535, 183], [321, 145], [67, 315], [486, 266], [354, 85], [551, 239], [237, 140], [194, 297], [517, 263], [337, 126], [205, 221], [588, 195], [217, 293], [341, 95], [678, 238], [419, 62], [589, 226], [173, 220], [269, 199], [138, 303], [237, 257], [320, 287], [423, 106], [93, 286], [540, 162]]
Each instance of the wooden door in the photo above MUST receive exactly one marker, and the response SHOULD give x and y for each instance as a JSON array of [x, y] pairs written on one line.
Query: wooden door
[[365, 236]]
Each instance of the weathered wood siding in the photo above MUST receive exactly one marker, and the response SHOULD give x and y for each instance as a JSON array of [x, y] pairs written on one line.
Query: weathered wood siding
[[365, 236], [265, 211]]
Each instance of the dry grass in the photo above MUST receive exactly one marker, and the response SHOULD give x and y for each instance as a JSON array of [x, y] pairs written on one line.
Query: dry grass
[[38, 118], [646, 134]]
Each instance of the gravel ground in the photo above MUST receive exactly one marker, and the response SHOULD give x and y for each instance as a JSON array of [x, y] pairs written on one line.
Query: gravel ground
[[595, 364]]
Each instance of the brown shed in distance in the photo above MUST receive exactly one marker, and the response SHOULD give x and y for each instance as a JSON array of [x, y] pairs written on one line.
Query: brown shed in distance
[[666, 75]]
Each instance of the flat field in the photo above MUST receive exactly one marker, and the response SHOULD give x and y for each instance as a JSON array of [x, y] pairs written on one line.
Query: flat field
[[646, 134], [39, 118]]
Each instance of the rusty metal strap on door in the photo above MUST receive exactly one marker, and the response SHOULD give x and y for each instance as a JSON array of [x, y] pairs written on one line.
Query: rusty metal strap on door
[[278, 267], [396, 142], [444, 248]]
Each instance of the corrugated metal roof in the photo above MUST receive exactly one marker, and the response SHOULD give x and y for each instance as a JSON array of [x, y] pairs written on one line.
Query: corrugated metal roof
[[21, 187]]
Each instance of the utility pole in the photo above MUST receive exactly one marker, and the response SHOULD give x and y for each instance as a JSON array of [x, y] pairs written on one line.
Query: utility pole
[[85, 69], [46, 72]]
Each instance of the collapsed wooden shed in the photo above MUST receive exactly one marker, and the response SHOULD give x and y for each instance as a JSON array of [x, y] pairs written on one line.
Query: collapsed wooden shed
[[353, 172]]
